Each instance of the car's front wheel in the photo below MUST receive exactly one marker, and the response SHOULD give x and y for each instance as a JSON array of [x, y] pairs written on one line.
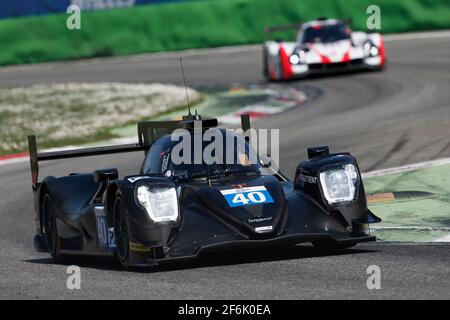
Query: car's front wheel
[[121, 232], [50, 229]]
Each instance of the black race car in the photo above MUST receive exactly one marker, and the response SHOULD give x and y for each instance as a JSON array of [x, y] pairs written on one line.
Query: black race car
[[172, 211]]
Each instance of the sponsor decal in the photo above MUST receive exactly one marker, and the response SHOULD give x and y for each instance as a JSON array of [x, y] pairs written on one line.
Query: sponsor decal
[[259, 220], [165, 162], [105, 234], [139, 247], [247, 196], [239, 186], [263, 229], [307, 179], [111, 238]]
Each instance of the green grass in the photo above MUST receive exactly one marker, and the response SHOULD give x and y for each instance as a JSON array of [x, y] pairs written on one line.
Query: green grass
[[429, 212], [65, 114], [194, 24]]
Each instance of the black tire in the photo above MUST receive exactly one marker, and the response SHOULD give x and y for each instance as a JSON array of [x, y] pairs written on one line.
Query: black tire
[[330, 246], [121, 232], [50, 229]]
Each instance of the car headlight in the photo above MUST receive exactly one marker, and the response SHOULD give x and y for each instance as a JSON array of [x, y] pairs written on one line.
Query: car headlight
[[373, 51], [298, 58], [161, 204], [370, 49], [294, 59], [339, 184]]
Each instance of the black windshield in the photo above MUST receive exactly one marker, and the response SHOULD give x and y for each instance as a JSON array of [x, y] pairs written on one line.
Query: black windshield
[[231, 158], [324, 34]]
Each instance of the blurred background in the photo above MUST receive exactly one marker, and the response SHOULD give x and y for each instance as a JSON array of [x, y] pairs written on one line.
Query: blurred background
[[34, 30]]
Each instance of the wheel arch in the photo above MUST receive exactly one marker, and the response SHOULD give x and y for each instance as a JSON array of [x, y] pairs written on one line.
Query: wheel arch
[[111, 192], [114, 187]]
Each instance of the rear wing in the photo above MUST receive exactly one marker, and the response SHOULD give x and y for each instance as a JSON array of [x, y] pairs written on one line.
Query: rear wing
[[36, 157], [297, 26], [148, 133], [286, 27]]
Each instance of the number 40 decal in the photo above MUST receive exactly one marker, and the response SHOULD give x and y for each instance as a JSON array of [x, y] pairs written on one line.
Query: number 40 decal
[[247, 196], [253, 197]]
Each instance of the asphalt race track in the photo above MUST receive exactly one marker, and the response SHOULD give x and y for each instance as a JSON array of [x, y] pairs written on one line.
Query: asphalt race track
[[396, 117]]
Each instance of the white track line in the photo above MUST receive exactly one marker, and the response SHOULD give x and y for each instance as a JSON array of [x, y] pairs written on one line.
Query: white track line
[[417, 35], [443, 239], [412, 228], [13, 161], [406, 168]]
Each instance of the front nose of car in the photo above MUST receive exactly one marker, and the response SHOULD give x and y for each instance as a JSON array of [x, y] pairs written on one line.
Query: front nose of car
[[256, 207]]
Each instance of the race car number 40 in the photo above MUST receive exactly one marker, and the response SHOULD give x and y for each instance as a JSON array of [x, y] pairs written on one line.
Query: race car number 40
[[247, 196]]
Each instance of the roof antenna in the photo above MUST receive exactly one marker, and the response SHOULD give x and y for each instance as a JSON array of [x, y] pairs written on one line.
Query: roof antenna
[[185, 87]]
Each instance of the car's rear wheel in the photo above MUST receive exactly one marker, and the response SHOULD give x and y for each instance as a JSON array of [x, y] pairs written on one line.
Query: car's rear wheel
[[50, 229], [121, 232]]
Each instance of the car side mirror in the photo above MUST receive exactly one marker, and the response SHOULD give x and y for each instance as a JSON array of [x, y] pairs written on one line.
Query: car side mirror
[[318, 151], [265, 161], [105, 175]]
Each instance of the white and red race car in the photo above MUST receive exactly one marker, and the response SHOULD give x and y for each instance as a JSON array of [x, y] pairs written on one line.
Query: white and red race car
[[323, 45]]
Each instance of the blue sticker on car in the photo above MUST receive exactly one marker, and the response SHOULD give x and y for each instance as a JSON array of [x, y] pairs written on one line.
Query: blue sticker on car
[[247, 196]]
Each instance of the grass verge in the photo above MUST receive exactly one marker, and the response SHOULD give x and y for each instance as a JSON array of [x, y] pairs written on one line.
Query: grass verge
[[63, 114], [413, 218]]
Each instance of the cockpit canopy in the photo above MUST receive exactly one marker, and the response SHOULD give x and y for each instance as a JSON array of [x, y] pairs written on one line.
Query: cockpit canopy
[[325, 33], [201, 154]]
